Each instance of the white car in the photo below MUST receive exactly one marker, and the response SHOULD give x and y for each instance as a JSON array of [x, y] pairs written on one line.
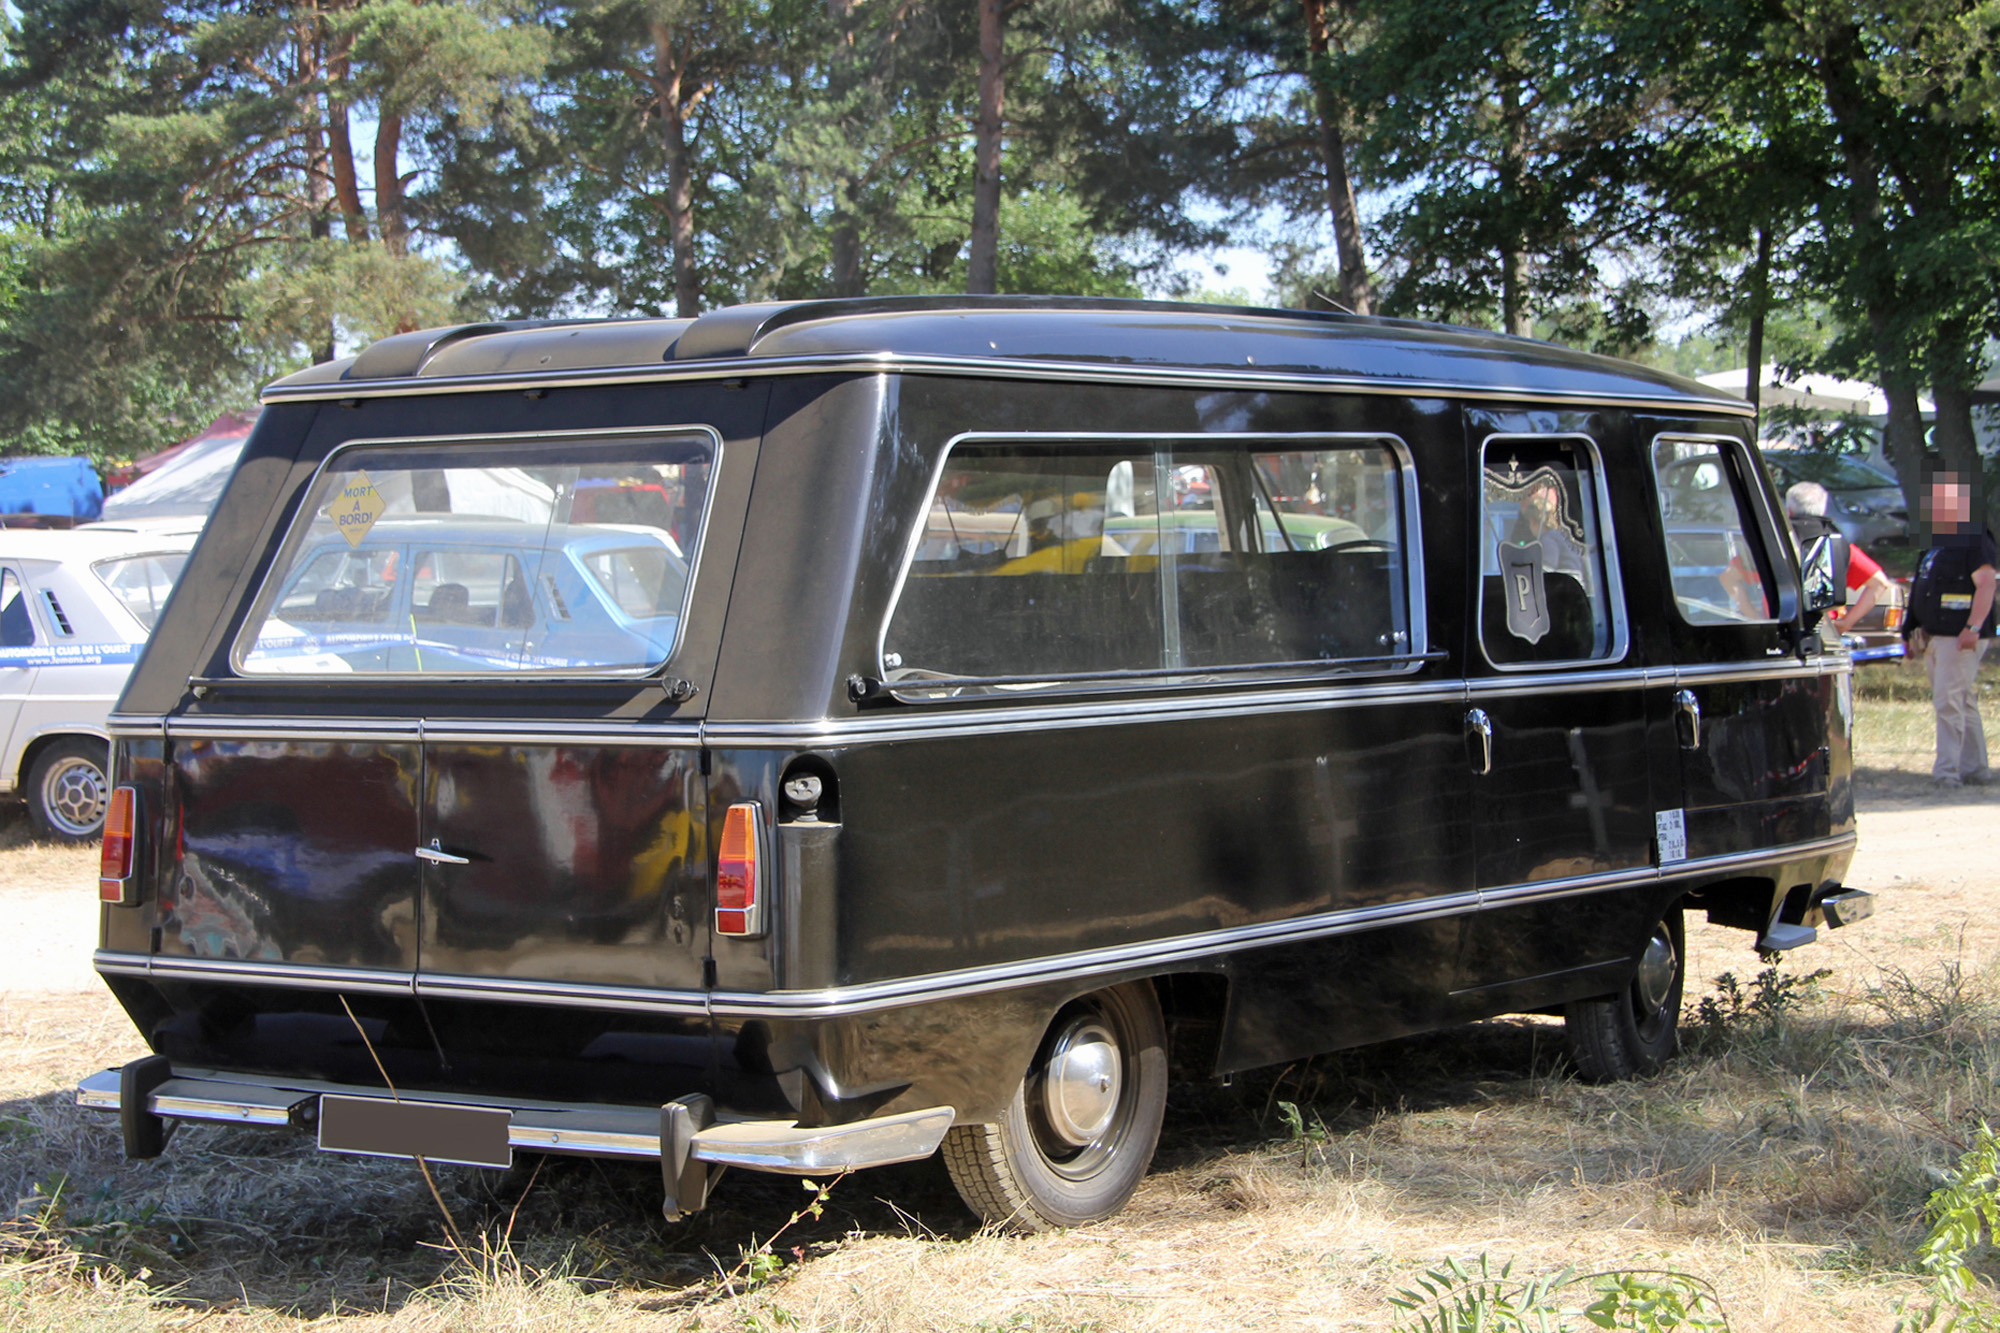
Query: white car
[[75, 608]]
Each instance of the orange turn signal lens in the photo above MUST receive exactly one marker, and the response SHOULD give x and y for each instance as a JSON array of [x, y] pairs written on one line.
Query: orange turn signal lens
[[115, 859], [739, 906]]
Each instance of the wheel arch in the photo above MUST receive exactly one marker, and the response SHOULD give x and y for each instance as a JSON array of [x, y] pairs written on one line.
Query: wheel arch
[[41, 741]]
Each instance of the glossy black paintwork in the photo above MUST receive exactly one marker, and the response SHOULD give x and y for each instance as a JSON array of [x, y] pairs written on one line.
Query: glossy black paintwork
[[296, 852], [587, 864], [590, 861]]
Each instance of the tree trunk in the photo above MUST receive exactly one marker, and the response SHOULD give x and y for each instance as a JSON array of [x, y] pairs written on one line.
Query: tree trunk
[[1356, 293], [668, 71], [1873, 269], [346, 185], [1760, 303], [1513, 169], [982, 268], [319, 183], [389, 184], [1957, 442], [844, 242]]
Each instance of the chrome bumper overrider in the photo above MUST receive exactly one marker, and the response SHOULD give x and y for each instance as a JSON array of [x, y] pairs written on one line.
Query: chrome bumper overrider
[[586, 1130]]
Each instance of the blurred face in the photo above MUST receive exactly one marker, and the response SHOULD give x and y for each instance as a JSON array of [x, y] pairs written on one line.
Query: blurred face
[[1950, 505]]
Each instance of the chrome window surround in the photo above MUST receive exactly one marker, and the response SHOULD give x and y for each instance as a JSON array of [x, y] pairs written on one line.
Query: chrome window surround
[[1410, 660], [1614, 577], [301, 524], [1761, 520]]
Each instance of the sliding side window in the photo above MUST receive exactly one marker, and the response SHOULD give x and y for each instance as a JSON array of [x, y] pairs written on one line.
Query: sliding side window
[[1718, 574], [1045, 563], [482, 559]]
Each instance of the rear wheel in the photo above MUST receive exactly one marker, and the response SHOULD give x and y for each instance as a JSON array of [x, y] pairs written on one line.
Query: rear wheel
[[1079, 1134], [69, 790], [1636, 1031]]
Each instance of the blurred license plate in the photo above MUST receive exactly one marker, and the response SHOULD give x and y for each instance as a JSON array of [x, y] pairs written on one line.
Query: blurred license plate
[[378, 1127]]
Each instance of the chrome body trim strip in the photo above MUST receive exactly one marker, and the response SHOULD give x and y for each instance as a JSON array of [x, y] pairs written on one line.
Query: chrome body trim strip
[[291, 976], [1170, 704], [841, 1001], [995, 368], [569, 995], [1778, 668], [308, 731]]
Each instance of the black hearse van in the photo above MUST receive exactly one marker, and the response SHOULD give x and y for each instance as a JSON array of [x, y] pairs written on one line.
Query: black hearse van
[[816, 734]]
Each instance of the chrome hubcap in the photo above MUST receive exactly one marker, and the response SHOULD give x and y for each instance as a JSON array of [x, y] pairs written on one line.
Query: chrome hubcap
[[1655, 981], [1081, 1083]]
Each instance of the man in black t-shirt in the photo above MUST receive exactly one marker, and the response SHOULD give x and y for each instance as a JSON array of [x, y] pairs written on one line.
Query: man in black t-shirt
[[1949, 625]]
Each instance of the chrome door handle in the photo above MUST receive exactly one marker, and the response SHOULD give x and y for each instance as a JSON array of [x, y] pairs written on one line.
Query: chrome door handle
[[439, 857], [1687, 719], [1479, 727]]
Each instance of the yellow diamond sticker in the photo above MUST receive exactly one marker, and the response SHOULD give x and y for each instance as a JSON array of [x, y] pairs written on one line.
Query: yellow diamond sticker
[[356, 508]]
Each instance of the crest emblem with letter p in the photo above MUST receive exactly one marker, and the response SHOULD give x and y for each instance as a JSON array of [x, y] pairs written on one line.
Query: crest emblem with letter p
[[1527, 599]]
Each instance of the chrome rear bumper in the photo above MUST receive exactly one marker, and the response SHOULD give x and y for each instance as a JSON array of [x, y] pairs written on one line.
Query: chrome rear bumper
[[552, 1127]]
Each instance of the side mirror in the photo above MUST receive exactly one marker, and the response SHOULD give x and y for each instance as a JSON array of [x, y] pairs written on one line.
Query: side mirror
[[1823, 570]]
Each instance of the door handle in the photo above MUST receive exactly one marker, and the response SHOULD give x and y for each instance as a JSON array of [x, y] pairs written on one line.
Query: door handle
[[437, 856], [1687, 719], [1479, 732]]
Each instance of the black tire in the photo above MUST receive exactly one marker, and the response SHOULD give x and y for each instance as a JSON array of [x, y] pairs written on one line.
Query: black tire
[[69, 789], [1055, 1162], [1636, 1031]]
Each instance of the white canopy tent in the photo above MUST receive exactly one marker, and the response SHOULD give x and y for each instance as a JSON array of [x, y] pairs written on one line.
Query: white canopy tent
[[1820, 393]]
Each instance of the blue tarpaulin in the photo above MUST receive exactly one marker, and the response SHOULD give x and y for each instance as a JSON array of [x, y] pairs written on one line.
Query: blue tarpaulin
[[65, 488]]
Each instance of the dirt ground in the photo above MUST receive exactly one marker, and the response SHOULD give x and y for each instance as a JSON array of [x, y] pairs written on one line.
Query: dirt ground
[[1790, 1175]]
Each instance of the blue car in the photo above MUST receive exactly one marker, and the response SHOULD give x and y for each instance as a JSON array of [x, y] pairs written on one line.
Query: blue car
[[468, 597]]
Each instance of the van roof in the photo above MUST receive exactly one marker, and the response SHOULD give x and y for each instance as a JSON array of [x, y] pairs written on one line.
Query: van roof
[[1008, 336]]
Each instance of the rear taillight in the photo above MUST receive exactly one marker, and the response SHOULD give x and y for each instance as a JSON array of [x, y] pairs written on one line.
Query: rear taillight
[[739, 888], [115, 861]]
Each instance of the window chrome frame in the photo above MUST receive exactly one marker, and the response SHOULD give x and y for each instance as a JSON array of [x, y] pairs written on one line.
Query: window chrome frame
[[1415, 656], [300, 524], [1761, 521], [1614, 572]]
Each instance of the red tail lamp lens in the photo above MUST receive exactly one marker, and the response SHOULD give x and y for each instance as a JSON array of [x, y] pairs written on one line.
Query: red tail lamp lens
[[114, 861], [738, 896]]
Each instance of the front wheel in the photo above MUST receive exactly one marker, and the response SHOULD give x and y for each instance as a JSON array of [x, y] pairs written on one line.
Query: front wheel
[[1079, 1133], [69, 790], [1636, 1031]]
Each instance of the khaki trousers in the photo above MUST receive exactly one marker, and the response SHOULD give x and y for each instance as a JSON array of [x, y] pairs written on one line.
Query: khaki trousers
[[1961, 737]]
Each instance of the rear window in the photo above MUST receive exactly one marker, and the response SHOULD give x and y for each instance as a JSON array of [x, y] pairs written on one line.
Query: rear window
[[142, 582], [1042, 563], [484, 559]]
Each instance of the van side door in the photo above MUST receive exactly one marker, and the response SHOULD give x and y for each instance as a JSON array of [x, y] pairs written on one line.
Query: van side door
[[1749, 711], [1562, 796]]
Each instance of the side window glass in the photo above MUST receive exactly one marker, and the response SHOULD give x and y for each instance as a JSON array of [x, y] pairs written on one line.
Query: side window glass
[[17, 626], [1546, 584], [143, 582], [1043, 564], [482, 558], [1718, 578]]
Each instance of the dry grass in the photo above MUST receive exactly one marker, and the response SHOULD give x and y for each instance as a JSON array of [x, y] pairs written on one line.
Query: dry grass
[[1786, 1163]]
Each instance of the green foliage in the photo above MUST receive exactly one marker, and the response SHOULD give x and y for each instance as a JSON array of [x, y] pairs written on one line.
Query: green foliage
[[1736, 1016], [1964, 1213], [1462, 1298]]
